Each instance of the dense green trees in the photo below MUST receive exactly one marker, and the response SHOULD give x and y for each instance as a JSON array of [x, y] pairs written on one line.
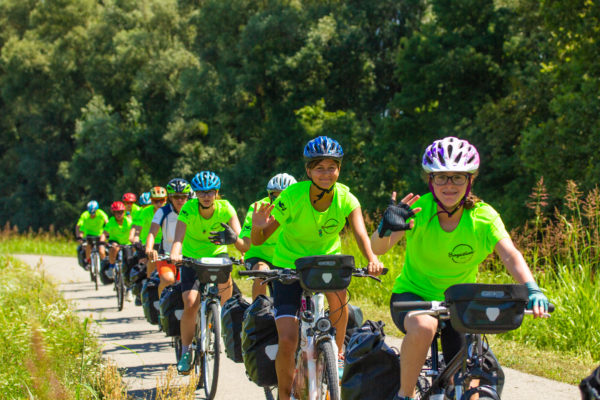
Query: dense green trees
[[101, 97]]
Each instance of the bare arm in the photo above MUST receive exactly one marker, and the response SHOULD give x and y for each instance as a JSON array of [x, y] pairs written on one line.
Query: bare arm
[[180, 229], [78, 232], [239, 244], [357, 223], [134, 233], [513, 261], [150, 252]]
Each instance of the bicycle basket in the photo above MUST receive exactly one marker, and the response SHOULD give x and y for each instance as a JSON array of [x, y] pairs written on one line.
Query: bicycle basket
[[325, 273], [211, 269], [482, 308]]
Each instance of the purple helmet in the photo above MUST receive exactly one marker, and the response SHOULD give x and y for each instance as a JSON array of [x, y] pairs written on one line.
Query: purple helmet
[[450, 154]]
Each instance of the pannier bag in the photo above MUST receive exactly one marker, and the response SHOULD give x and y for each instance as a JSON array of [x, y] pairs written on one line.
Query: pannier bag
[[150, 299], [81, 256], [171, 310], [482, 308], [372, 368], [137, 275], [103, 277], [325, 273], [232, 316], [259, 342], [128, 262], [590, 386]]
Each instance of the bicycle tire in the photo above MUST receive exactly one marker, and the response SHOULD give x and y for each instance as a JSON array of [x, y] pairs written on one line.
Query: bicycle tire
[[423, 386], [211, 356], [119, 286], [269, 393], [96, 268], [328, 360], [177, 345]]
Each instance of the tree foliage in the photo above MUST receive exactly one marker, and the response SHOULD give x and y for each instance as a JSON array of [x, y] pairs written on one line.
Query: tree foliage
[[99, 98]]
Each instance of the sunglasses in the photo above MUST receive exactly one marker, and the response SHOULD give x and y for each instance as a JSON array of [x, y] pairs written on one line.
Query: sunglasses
[[179, 196], [209, 193]]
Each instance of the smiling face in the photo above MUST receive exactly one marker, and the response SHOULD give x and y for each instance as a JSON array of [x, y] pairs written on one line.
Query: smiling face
[[450, 187], [325, 173], [206, 198]]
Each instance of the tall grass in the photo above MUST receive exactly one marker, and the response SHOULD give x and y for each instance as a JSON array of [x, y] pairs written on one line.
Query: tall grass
[[36, 242]]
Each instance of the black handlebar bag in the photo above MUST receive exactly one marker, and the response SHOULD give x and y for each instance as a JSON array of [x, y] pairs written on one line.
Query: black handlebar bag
[[372, 368], [232, 316], [329, 273], [483, 308]]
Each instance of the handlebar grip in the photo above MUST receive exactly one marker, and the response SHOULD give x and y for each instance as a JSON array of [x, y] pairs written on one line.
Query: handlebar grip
[[551, 308], [402, 306], [385, 271], [245, 273]]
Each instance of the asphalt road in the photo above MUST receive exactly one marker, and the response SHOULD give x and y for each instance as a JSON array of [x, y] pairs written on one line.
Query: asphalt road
[[144, 353]]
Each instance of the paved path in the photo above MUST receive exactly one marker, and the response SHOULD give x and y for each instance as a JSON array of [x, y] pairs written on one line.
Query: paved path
[[145, 353]]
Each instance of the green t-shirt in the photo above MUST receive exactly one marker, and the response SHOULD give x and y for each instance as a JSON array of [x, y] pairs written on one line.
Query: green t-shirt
[[306, 231], [436, 259], [92, 226], [119, 233], [196, 243], [265, 250], [143, 218], [134, 209]]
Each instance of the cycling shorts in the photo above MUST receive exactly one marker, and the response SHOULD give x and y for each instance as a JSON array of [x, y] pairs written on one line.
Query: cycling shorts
[[287, 299]]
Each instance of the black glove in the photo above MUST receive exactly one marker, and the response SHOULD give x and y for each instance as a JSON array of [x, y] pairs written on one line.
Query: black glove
[[228, 236], [395, 218]]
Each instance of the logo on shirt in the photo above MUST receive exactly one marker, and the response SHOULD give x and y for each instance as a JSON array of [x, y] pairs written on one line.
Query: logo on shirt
[[330, 226], [281, 206], [461, 254], [183, 212]]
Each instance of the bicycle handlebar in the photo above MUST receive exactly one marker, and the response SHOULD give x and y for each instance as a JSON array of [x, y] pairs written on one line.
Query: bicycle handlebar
[[436, 308]]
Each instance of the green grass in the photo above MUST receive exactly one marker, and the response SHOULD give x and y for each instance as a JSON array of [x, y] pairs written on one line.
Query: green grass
[[46, 352], [40, 243]]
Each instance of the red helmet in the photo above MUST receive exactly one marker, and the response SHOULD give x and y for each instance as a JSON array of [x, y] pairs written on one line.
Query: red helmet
[[117, 206], [129, 198]]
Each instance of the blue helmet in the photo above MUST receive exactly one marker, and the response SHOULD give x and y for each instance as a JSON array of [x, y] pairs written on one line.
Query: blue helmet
[[92, 206], [145, 198], [323, 147], [205, 180]]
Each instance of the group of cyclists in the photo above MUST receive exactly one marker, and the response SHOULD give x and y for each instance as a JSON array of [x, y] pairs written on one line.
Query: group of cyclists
[[449, 232]]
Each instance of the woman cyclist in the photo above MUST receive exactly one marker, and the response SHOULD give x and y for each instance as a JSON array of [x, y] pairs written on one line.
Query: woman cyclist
[[195, 237], [165, 219], [309, 216], [143, 220], [117, 232], [129, 200], [91, 223], [261, 257], [451, 232]]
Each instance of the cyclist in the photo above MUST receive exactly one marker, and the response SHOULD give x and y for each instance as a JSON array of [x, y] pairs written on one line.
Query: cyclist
[[91, 223], [261, 257], [178, 191], [129, 200], [451, 232], [196, 236], [143, 220], [117, 230], [310, 215]]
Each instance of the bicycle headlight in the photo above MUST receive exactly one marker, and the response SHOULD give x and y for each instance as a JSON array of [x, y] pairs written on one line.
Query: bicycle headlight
[[323, 325]]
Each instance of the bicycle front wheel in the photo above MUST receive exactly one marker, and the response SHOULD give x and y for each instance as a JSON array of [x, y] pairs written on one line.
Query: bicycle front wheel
[[210, 358], [119, 286], [327, 368], [95, 268]]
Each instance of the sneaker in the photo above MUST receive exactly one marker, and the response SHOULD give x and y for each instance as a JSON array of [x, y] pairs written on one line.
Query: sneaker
[[128, 296], [185, 363], [340, 364]]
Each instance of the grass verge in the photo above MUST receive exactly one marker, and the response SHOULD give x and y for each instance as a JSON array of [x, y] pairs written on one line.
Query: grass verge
[[43, 242]]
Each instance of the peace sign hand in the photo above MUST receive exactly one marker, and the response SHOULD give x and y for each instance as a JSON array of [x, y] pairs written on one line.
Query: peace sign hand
[[396, 215]]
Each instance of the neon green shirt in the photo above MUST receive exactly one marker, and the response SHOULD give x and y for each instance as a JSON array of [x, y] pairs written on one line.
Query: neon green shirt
[[436, 259], [306, 231], [264, 251], [196, 243], [143, 218], [92, 226], [134, 209], [119, 233]]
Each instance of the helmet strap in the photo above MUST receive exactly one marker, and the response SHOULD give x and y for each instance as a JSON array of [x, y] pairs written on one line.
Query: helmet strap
[[460, 203], [323, 191]]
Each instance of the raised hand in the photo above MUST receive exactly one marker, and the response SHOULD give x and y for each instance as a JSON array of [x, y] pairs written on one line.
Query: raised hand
[[224, 237], [261, 216], [396, 215]]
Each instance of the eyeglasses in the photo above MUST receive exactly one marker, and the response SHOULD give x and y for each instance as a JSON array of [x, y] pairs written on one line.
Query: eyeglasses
[[179, 196], [118, 212], [207, 193], [458, 179]]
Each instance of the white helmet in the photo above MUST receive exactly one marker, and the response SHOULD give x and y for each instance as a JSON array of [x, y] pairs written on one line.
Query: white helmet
[[280, 182], [450, 154]]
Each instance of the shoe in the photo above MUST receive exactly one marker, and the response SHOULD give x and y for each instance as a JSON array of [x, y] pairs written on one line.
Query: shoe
[[340, 364], [128, 296], [87, 267], [185, 364]]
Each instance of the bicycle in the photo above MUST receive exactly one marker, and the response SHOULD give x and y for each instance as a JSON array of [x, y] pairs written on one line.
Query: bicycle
[[119, 284], [94, 241], [316, 374], [206, 344], [476, 310]]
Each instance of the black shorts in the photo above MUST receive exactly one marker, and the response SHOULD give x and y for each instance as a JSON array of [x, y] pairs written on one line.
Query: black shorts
[[287, 299], [252, 261], [452, 341], [188, 277]]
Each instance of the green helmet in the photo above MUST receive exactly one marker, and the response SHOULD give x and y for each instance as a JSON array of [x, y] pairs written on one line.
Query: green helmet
[[178, 185]]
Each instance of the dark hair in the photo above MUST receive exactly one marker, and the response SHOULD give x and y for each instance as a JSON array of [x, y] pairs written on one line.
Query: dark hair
[[313, 163]]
